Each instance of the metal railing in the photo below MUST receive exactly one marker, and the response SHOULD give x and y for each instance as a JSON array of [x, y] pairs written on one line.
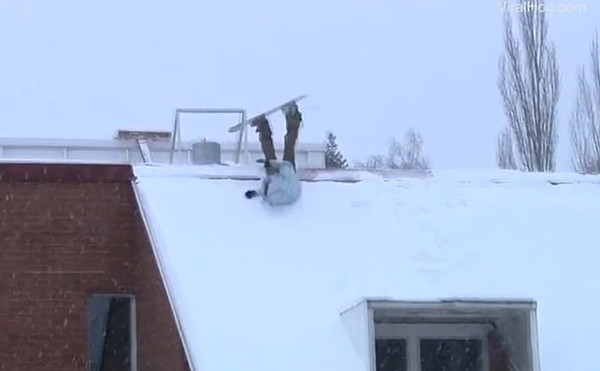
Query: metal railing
[[176, 134]]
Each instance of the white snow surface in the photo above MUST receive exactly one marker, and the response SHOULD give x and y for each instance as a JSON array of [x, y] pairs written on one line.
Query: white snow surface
[[258, 288]]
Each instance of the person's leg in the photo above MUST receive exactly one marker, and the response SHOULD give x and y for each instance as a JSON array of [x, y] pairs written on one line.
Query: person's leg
[[293, 117], [265, 135]]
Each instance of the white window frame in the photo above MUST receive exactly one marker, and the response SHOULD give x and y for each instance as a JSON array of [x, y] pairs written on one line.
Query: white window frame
[[414, 332], [366, 320]]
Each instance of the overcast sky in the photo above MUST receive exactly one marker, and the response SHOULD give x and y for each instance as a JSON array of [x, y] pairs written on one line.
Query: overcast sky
[[372, 68]]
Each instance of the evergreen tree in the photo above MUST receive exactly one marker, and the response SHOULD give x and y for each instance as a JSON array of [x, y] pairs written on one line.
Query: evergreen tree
[[333, 156]]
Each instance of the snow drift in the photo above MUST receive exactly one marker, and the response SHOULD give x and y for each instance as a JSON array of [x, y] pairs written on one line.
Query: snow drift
[[261, 289]]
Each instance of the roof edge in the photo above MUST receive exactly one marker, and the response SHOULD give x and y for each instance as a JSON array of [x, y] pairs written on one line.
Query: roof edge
[[516, 303], [19, 172], [139, 198]]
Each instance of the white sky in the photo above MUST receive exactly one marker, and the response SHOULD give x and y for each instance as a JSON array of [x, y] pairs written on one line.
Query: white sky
[[372, 67]]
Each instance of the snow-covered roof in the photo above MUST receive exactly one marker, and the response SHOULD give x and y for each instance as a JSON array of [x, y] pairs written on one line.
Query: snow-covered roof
[[261, 289]]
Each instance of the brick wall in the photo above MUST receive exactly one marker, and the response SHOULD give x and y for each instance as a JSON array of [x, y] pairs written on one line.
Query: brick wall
[[67, 231]]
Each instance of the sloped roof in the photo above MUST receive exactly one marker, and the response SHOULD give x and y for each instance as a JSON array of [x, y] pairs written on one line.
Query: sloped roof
[[261, 289]]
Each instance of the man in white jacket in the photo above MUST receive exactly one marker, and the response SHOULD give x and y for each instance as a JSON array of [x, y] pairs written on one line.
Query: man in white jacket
[[281, 184]]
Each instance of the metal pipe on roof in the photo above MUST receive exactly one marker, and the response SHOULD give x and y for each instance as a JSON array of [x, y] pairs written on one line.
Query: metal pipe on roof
[[210, 110], [241, 137]]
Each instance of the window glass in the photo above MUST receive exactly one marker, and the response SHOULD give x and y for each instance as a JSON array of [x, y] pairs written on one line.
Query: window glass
[[451, 355], [109, 333], [390, 354]]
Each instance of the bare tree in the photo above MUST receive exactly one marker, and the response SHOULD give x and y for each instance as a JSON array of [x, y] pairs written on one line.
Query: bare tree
[[505, 155], [375, 162], [585, 122], [407, 155], [529, 86]]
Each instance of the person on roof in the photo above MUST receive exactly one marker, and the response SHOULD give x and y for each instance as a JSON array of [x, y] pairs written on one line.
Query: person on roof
[[281, 184]]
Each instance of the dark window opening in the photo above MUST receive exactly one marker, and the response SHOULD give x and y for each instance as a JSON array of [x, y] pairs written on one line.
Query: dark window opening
[[390, 354], [110, 333], [451, 355]]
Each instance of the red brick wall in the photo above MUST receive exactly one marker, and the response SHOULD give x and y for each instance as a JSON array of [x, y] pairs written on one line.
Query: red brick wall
[[67, 231]]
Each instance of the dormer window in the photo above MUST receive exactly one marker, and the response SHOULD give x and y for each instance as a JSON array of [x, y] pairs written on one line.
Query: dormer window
[[447, 335]]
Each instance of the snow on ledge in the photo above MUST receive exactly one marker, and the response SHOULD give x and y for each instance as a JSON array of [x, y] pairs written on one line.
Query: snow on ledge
[[245, 172]]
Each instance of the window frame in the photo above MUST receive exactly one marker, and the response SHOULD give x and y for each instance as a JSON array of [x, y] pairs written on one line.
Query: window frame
[[414, 332], [132, 325], [361, 318]]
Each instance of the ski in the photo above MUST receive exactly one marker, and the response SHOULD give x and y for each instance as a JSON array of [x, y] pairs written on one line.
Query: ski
[[242, 125]]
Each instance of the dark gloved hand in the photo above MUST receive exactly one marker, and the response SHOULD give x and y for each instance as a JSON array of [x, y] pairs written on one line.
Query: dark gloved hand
[[251, 194]]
